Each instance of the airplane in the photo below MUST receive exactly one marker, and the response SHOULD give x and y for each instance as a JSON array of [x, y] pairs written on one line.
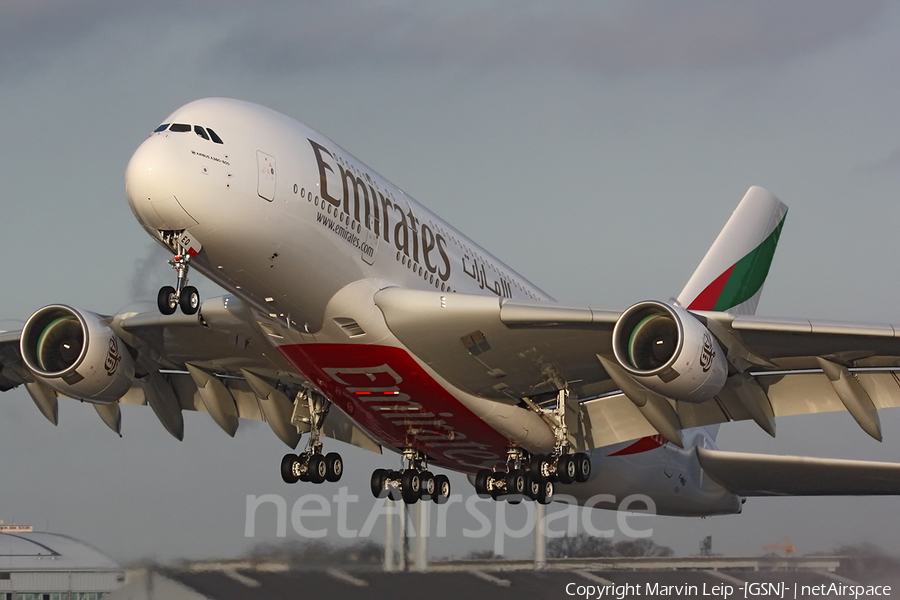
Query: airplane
[[354, 312]]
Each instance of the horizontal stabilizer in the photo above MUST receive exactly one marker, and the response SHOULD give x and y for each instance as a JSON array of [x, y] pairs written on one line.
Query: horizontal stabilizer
[[767, 475]]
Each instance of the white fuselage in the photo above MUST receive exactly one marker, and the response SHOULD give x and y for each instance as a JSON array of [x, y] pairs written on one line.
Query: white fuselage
[[306, 235]]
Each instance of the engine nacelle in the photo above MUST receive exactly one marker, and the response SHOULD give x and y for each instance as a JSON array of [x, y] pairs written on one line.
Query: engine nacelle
[[76, 354], [667, 350]]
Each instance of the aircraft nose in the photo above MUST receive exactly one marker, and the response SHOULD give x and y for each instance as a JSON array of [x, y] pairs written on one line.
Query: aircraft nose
[[153, 178]]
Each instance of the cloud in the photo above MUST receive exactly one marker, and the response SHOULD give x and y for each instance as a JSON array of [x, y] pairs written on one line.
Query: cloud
[[888, 164], [34, 33], [276, 36], [602, 38]]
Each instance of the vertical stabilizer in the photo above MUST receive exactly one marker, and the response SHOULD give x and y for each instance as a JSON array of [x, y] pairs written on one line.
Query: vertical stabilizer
[[731, 275]]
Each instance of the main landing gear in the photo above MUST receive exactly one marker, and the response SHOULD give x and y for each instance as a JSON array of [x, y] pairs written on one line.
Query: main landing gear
[[182, 295], [413, 483], [312, 465], [533, 477]]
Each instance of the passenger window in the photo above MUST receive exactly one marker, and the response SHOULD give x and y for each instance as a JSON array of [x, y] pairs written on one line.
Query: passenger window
[[161, 128], [215, 138], [179, 128], [201, 132]]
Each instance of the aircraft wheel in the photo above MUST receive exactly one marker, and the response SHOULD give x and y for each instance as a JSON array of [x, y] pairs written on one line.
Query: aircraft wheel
[[539, 467], [545, 495], [317, 468], [334, 466], [379, 476], [582, 467], [442, 489], [493, 485], [515, 486], [427, 485], [566, 468], [410, 484], [481, 483], [190, 300], [533, 488], [287, 469], [395, 493], [166, 300]]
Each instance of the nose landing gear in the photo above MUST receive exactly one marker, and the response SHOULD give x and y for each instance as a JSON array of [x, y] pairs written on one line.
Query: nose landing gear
[[182, 295]]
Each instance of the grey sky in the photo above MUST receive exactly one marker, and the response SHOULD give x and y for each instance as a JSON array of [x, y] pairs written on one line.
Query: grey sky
[[595, 148]]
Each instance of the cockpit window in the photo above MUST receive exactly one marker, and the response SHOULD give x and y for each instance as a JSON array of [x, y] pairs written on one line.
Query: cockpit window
[[214, 136], [204, 132]]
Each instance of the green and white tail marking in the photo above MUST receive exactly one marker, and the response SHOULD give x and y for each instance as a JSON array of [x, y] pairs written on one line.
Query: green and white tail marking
[[731, 275]]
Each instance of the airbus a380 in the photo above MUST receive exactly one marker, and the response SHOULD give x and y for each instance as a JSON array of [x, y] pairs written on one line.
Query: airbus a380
[[356, 313]]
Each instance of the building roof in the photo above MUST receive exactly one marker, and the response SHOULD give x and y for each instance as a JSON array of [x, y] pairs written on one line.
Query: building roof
[[38, 551]]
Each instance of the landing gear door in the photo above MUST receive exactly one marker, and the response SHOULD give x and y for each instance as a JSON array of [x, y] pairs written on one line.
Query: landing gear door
[[266, 171], [370, 244]]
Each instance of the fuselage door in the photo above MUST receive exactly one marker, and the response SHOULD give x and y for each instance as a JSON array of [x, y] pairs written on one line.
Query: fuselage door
[[266, 170]]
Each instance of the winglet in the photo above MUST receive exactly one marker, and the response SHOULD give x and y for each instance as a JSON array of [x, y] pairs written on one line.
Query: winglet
[[731, 275]]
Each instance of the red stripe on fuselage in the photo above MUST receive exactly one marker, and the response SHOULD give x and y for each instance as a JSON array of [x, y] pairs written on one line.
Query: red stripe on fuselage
[[706, 300], [642, 445], [386, 391]]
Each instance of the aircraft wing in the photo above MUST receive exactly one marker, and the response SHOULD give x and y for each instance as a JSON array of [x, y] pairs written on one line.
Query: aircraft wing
[[766, 475], [216, 361], [508, 349]]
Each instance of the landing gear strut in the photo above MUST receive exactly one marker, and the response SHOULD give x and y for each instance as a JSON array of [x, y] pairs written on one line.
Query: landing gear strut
[[312, 465], [534, 477], [412, 483], [182, 295]]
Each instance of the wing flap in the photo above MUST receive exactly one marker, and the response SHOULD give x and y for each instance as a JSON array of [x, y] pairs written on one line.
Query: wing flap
[[767, 475]]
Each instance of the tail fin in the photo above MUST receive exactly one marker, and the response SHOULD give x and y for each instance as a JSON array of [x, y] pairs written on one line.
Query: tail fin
[[731, 275]]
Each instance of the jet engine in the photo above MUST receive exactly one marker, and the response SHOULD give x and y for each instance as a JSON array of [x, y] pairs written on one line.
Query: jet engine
[[77, 354], [667, 350]]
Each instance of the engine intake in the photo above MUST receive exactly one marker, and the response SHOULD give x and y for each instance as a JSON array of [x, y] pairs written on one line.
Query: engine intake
[[76, 354], [667, 350]]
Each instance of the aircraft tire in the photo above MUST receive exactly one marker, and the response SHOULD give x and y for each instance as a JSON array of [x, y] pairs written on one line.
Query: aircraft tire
[[190, 300], [334, 467], [533, 487], [538, 463], [379, 476], [395, 493], [317, 468], [410, 486], [427, 485], [287, 468], [566, 468], [545, 496], [441, 489], [481, 481], [165, 300], [516, 482], [582, 467]]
